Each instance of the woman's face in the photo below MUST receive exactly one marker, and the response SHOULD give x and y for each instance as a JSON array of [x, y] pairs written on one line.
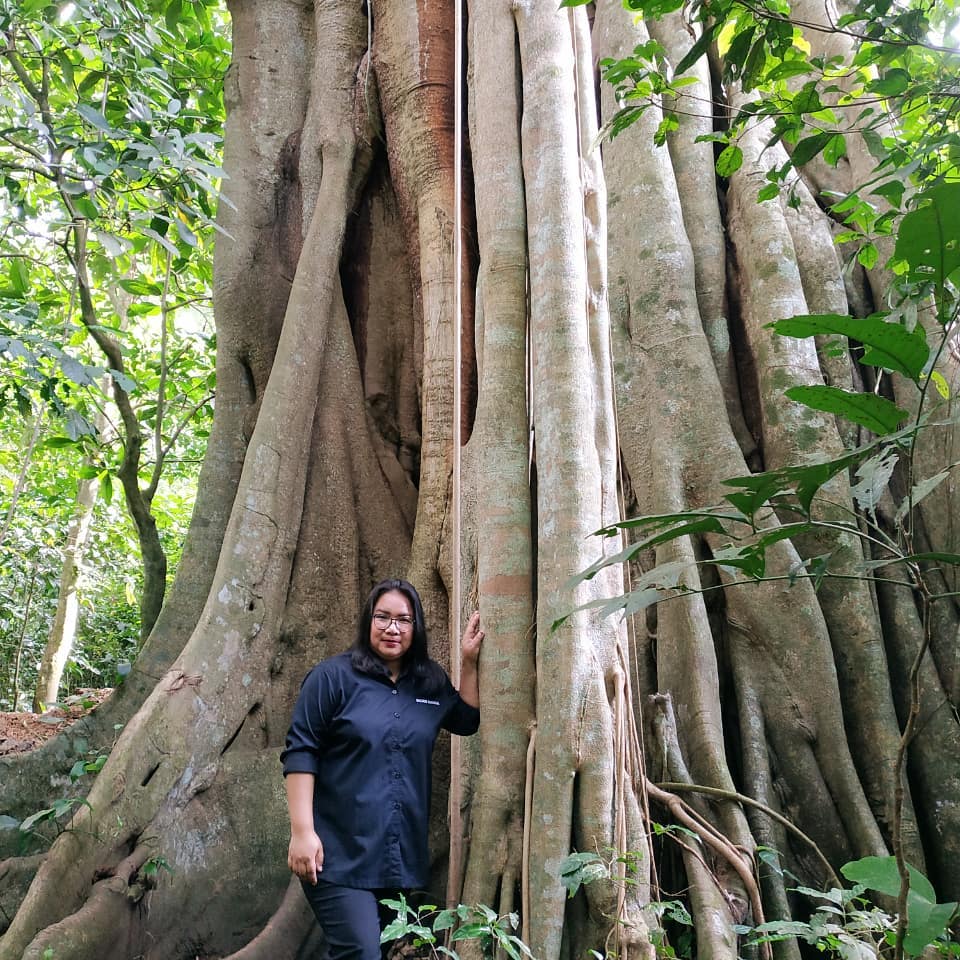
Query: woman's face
[[391, 629]]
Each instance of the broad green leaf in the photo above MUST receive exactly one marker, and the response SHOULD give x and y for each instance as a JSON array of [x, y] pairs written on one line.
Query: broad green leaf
[[867, 256], [739, 42], [835, 149], [881, 874], [929, 237], [95, 117], [679, 525], [892, 190], [19, 275], [889, 345], [878, 414], [809, 147], [788, 69], [106, 486], [875, 873], [35, 818], [926, 921], [730, 160], [893, 83], [172, 15]]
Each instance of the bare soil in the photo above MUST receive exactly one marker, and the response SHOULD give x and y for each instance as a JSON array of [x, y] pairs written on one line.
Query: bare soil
[[20, 732]]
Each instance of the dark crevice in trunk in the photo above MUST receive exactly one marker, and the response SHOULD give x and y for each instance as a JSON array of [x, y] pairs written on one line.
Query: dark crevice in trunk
[[149, 775]]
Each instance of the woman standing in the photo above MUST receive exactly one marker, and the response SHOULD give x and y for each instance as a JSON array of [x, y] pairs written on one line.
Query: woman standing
[[357, 765]]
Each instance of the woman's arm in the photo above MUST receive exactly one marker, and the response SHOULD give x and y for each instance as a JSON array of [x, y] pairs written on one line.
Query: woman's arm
[[469, 654], [305, 853]]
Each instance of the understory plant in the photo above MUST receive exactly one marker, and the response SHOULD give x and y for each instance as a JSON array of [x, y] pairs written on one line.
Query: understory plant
[[428, 925]]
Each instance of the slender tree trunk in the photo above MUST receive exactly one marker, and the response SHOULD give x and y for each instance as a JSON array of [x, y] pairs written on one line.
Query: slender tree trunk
[[63, 630]]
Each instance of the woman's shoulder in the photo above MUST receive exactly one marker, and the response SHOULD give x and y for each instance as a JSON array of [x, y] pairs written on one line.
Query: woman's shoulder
[[333, 667]]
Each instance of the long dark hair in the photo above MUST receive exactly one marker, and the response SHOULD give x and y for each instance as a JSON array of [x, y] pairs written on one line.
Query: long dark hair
[[428, 672]]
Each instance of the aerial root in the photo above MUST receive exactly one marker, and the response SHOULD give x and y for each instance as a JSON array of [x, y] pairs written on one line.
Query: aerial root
[[284, 932], [741, 865]]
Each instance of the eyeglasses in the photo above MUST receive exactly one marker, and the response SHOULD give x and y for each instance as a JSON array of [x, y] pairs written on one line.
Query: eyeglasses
[[383, 622]]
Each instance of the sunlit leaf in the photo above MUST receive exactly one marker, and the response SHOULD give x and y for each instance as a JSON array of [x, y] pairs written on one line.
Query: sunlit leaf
[[730, 160]]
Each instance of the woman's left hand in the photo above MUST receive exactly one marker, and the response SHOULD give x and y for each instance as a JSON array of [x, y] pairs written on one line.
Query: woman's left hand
[[472, 639]]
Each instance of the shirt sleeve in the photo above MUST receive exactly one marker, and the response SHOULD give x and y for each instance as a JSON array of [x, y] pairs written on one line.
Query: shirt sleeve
[[306, 738], [460, 718]]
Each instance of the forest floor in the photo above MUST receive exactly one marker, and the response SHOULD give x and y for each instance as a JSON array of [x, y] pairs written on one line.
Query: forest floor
[[20, 732]]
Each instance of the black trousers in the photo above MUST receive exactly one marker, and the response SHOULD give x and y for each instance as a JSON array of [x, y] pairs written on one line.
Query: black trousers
[[351, 919]]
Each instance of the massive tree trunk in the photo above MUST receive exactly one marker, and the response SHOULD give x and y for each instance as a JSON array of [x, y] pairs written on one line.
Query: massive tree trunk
[[604, 362]]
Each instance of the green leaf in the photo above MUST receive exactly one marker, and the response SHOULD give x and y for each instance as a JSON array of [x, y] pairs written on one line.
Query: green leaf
[[881, 874], [46, 814], [893, 83], [768, 192], [888, 345], [929, 237], [730, 160], [835, 149], [788, 69], [668, 124], [867, 256], [19, 276], [926, 921], [95, 117], [172, 15], [700, 47], [877, 414], [892, 190], [809, 147], [106, 486]]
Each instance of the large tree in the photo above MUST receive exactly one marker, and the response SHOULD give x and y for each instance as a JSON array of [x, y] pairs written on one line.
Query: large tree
[[614, 311]]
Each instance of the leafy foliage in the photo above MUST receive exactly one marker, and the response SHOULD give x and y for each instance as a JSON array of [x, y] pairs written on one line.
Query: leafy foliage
[[478, 923], [110, 113]]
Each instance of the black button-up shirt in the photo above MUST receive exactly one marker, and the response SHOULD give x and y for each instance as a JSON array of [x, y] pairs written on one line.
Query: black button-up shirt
[[369, 743]]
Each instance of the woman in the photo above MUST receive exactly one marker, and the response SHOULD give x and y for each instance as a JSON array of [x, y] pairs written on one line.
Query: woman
[[357, 765]]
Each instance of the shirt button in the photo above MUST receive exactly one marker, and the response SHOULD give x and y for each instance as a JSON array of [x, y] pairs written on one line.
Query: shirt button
[[397, 715], [396, 774], [395, 692]]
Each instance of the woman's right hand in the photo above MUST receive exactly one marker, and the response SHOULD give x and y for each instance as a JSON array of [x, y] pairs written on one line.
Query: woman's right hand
[[305, 855]]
